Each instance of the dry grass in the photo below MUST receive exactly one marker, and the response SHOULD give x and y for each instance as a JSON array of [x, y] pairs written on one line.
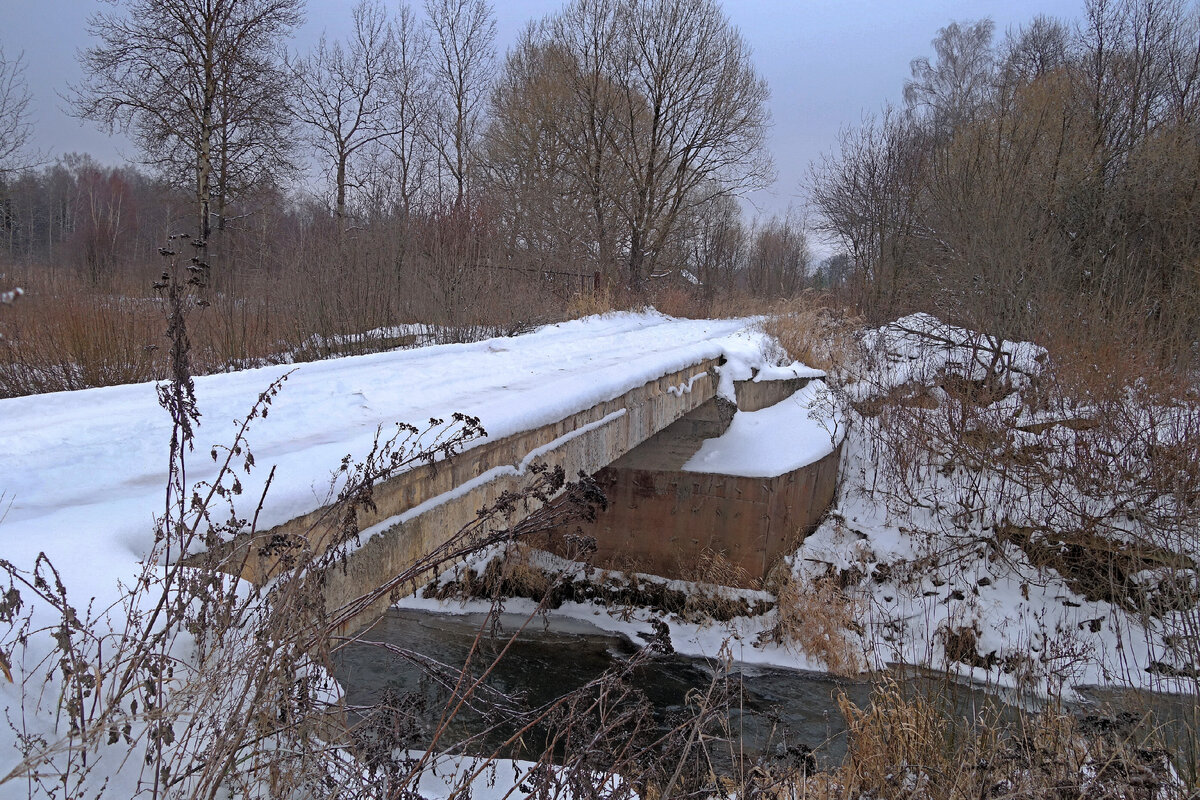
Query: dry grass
[[711, 599], [908, 745], [816, 619], [588, 304], [59, 342], [896, 740], [815, 334], [68, 333], [714, 567], [514, 576]]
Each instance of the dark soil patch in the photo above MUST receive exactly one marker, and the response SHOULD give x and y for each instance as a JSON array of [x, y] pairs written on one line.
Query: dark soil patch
[[1099, 568]]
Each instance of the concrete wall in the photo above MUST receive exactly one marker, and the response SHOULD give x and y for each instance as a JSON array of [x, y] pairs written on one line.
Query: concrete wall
[[757, 395], [666, 522]]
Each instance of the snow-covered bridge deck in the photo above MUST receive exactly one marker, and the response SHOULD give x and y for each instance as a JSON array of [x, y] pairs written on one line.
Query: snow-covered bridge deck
[[83, 473]]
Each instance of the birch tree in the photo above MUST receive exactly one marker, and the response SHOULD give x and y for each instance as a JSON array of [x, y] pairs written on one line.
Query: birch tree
[[15, 128], [200, 87]]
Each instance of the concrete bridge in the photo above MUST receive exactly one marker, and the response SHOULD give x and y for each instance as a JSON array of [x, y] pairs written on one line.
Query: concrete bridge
[[636, 444]]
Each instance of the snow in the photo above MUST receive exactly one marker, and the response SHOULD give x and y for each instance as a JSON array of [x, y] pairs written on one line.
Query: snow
[[83, 474], [82, 477], [791, 434], [926, 571], [914, 350]]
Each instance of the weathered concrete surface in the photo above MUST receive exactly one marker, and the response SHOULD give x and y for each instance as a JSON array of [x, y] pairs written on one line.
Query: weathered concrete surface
[[618, 426], [671, 447], [757, 395], [678, 524]]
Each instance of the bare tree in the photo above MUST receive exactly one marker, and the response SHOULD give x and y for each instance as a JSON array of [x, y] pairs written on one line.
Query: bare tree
[[694, 116], [410, 112], [344, 94], [653, 109], [539, 159], [463, 34], [717, 244], [1035, 51], [587, 33], [867, 197], [15, 128], [1060, 183], [778, 260], [962, 77], [199, 85]]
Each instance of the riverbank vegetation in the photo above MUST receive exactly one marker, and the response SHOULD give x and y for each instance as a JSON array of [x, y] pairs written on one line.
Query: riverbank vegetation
[[1031, 189]]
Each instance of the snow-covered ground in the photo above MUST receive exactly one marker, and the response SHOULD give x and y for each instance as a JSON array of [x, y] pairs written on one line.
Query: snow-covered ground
[[942, 586], [82, 478]]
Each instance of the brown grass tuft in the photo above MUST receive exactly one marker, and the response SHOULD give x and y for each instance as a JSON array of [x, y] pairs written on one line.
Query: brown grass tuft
[[816, 619], [588, 304]]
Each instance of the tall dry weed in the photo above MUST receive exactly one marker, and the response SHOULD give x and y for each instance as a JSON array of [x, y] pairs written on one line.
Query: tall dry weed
[[909, 744], [593, 303]]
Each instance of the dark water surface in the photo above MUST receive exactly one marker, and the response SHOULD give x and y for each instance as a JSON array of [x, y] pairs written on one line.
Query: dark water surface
[[775, 711], [778, 709]]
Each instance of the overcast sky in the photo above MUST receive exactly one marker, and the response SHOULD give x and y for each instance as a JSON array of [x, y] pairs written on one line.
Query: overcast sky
[[827, 63]]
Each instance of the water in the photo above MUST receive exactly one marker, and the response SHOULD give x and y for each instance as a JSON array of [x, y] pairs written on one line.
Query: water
[[776, 710]]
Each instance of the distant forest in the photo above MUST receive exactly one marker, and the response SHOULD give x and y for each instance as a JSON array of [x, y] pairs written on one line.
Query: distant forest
[[1040, 184]]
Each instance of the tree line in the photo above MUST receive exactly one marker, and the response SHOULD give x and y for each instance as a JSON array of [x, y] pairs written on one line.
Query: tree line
[[1042, 185], [613, 140]]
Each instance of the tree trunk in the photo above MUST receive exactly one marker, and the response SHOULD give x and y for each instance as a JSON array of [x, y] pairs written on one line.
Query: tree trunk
[[636, 258], [340, 209]]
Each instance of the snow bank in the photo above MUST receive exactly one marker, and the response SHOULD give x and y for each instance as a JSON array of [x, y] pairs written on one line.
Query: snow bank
[[791, 434], [920, 348]]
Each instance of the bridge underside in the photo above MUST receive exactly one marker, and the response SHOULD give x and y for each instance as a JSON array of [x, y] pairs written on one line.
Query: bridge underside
[[664, 520], [725, 529]]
